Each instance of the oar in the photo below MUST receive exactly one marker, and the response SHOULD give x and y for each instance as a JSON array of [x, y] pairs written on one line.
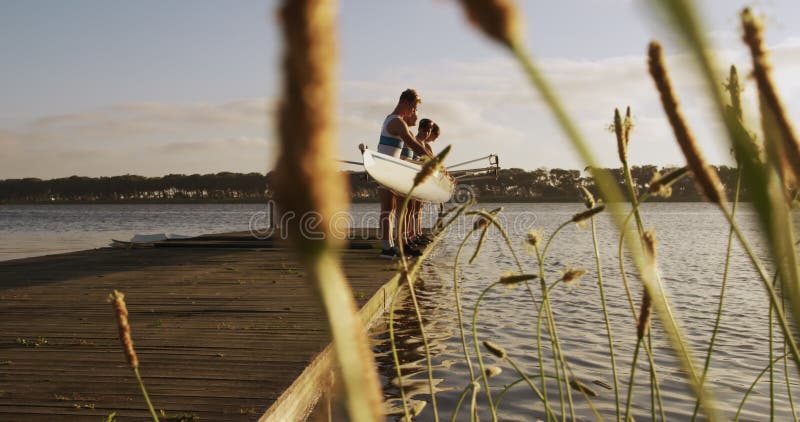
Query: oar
[[490, 157]]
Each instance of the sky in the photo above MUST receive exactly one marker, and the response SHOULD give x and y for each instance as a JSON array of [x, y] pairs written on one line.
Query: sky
[[108, 87]]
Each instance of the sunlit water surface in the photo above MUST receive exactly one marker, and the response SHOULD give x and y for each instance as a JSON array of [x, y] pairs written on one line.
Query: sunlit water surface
[[691, 256]]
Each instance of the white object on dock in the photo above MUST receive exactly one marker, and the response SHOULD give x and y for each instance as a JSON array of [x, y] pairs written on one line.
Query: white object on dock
[[146, 240], [398, 175]]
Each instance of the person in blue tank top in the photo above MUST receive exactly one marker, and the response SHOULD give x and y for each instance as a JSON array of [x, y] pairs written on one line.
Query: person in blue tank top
[[395, 134]]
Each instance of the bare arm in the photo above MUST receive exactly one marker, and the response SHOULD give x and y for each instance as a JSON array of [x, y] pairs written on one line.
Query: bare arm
[[398, 127], [428, 150]]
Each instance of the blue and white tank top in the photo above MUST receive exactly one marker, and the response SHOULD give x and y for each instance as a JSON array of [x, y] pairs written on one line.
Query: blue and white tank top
[[390, 144]]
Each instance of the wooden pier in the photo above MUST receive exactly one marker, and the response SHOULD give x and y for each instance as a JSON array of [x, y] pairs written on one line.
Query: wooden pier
[[222, 328]]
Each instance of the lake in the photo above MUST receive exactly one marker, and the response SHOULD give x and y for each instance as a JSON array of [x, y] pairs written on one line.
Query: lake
[[691, 254]]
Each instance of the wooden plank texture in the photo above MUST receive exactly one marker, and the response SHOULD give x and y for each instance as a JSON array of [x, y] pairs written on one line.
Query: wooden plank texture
[[220, 332]]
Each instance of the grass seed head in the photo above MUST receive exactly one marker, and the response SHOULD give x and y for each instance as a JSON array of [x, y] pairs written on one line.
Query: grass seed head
[[588, 198], [622, 145], [734, 91], [572, 274], [662, 185], [643, 324], [117, 300], [493, 371], [495, 349], [514, 279], [498, 19], [431, 166], [583, 216], [706, 177], [649, 238], [579, 386], [534, 237], [627, 125], [307, 177], [781, 141], [483, 221]]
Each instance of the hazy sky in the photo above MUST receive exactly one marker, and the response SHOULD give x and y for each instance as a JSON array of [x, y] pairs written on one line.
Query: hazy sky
[[104, 87]]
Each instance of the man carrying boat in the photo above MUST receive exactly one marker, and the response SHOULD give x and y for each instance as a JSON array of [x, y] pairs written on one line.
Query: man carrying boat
[[395, 134]]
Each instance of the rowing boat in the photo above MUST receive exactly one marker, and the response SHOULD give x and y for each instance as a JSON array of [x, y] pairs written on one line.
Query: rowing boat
[[398, 176]]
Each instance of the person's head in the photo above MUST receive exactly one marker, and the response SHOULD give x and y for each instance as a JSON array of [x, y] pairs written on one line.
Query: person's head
[[434, 132], [409, 100], [410, 117], [424, 130]]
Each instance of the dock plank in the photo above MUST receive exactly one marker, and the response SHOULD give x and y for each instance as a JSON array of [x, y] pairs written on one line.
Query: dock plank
[[220, 332]]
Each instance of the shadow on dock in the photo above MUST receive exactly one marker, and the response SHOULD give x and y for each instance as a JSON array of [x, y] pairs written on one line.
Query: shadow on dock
[[220, 332]]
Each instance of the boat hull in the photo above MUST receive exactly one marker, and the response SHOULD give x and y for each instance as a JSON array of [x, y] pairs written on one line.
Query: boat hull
[[398, 176]]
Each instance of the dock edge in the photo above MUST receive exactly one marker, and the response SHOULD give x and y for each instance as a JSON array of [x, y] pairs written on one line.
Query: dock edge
[[299, 399]]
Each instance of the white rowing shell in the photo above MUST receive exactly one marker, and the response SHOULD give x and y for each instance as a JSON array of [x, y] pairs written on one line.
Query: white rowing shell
[[398, 175]]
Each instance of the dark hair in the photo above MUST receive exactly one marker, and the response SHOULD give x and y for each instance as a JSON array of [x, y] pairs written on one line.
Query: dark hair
[[425, 124], [434, 130], [410, 96]]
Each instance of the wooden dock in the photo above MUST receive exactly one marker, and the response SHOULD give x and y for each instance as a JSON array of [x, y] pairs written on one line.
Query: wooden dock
[[221, 331]]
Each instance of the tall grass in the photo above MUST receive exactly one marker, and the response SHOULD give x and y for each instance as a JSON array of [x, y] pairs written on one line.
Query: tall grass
[[769, 181], [308, 182]]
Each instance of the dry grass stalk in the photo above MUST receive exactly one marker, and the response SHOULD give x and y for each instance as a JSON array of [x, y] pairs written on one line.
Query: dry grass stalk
[[480, 223], [735, 91], [643, 324], [583, 216], [650, 246], [308, 179], [753, 37], [493, 371], [662, 185], [431, 166], [117, 300], [706, 177], [309, 184], [627, 125], [588, 198], [483, 220], [751, 155], [579, 386], [572, 274], [622, 143], [495, 349], [510, 280], [499, 19], [534, 237]]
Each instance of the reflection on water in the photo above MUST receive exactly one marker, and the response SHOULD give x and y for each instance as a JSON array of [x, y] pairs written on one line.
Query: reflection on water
[[692, 240], [410, 347]]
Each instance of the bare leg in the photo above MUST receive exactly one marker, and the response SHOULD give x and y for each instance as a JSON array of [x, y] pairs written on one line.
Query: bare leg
[[409, 222], [414, 219], [388, 206], [420, 207]]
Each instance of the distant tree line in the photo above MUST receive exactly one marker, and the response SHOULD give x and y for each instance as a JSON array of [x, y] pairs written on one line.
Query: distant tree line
[[223, 186], [540, 185]]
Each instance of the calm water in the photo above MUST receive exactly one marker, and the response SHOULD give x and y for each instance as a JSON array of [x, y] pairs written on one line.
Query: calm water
[[692, 239], [32, 230]]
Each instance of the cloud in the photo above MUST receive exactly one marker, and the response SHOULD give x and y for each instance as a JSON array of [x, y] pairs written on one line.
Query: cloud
[[144, 138], [483, 106], [214, 145]]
